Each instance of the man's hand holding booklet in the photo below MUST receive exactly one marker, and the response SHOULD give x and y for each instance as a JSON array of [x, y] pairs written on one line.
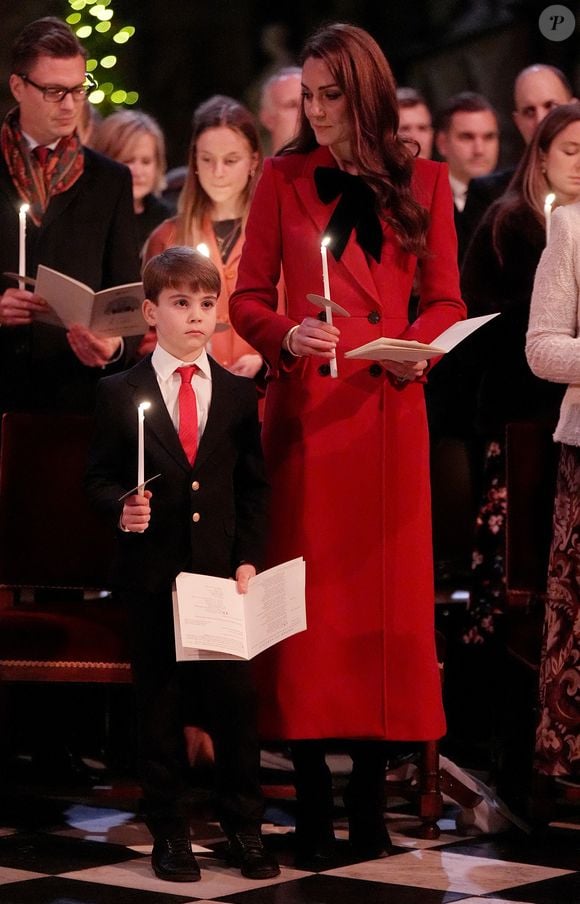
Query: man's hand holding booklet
[[110, 312]]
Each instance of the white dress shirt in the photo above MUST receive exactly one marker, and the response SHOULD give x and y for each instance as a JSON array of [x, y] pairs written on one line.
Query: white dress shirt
[[32, 144], [459, 192], [165, 365]]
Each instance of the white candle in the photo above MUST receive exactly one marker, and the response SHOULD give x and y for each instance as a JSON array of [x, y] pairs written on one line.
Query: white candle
[[548, 212], [24, 208], [141, 408], [325, 279], [326, 292], [203, 249]]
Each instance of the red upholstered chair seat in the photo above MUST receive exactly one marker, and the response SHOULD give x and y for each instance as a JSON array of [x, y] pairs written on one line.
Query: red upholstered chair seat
[[88, 635], [52, 544]]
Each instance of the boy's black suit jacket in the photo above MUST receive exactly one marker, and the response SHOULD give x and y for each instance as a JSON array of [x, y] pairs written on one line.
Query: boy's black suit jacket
[[226, 486]]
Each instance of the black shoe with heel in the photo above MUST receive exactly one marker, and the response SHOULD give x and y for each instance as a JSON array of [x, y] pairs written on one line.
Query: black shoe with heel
[[367, 833]]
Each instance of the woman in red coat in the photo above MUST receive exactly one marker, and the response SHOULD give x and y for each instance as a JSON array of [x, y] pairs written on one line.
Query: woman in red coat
[[348, 457]]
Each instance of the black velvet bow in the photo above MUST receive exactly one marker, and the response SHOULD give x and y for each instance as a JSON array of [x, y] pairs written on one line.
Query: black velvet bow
[[355, 210]]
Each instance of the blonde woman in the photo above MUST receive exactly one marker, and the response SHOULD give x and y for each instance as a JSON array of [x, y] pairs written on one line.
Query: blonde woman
[[135, 139]]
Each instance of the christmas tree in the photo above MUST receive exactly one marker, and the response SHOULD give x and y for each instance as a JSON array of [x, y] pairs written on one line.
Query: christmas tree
[[94, 25]]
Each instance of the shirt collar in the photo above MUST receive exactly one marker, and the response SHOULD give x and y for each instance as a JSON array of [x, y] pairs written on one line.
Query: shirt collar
[[34, 144], [459, 190], [165, 364]]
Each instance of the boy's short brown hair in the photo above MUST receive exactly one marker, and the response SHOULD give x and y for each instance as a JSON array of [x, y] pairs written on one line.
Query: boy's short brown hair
[[180, 266]]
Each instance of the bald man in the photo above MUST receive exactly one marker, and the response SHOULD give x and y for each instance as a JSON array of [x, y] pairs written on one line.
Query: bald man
[[537, 90]]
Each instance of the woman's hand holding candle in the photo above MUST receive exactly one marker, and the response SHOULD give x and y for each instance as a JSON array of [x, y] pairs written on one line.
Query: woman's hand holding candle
[[315, 337]]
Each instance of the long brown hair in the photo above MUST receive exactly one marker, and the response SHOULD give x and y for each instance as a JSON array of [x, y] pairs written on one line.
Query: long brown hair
[[194, 204], [529, 185], [384, 161]]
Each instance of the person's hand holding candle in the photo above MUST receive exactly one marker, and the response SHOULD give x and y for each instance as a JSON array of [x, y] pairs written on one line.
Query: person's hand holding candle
[[315, 337], [136, 512], [18, 306]]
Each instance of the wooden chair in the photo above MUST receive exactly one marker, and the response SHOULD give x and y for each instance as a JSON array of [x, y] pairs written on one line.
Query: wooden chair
[[426, 790], [51, 544]]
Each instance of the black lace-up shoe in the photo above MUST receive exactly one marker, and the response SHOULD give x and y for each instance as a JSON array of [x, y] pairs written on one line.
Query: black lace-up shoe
[[173, 860], [247, 851]]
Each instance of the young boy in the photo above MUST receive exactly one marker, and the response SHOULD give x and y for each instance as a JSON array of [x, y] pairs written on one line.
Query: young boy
[[206, 513]]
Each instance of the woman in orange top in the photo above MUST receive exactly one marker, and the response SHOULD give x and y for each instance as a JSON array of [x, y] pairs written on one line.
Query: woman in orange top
[[224, 162]]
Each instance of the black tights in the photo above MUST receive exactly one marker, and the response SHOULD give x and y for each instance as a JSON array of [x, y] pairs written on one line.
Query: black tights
[[313, 781]]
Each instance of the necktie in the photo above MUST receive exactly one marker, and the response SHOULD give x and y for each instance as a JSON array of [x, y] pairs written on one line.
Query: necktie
[[187, 412], [42, 153]]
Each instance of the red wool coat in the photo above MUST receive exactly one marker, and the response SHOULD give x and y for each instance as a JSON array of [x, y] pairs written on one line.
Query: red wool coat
[[348, 460]]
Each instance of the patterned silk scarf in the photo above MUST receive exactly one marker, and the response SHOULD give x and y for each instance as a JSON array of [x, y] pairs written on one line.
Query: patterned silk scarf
[[37, 184]]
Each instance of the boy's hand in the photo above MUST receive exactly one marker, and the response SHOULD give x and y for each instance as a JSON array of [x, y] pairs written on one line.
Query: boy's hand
[[246, 366], [136, 513], [243, 575]]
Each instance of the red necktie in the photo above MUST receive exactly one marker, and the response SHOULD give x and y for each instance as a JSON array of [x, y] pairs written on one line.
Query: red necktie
[[42, 153], [187, 412]]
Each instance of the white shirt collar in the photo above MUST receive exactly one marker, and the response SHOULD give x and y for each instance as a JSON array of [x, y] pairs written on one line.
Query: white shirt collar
[[35, 144], [459, 191], [165, 364]]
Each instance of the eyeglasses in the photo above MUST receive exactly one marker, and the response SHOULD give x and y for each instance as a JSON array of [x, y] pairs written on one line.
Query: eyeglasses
[[55, 93]]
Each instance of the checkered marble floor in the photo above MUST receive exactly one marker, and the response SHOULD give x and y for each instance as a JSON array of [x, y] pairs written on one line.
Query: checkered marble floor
[[93, 848]]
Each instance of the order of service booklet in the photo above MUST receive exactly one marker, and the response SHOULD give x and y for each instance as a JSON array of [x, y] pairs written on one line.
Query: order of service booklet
[[213, 621], [110, 312], [385, 349]]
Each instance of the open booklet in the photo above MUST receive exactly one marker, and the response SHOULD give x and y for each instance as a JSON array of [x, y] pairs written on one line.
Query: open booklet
[[213, 621], [385, 349], [110, 312]]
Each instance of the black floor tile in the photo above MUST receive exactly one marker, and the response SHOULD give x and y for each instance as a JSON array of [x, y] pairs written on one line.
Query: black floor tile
[[323, 889], [40, 853], [563, 890], [54, 890]]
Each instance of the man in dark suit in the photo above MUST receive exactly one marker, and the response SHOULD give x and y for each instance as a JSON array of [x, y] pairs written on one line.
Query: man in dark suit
[[537, 90], [80, 222], [467, 138], [206, 514]]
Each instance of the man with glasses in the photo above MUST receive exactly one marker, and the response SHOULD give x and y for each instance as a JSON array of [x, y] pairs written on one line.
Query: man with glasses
[[80, 222]]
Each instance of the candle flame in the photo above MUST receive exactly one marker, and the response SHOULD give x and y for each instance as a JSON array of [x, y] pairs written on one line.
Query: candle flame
[[203, 249], [326, 241], [143, 406], [549, 199], [24, 208]]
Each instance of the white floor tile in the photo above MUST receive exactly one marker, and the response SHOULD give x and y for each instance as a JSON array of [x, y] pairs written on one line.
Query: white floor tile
[[447, 871], [217, 880], [16, 875]]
